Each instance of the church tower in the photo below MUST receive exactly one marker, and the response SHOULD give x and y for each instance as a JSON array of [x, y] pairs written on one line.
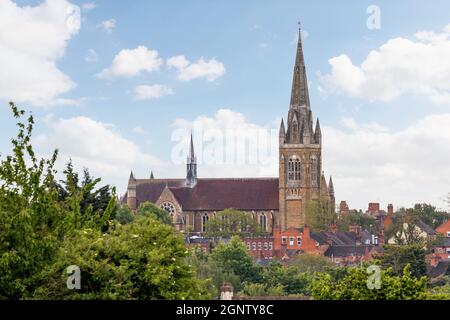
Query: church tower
[[191, 166], [300, 153]]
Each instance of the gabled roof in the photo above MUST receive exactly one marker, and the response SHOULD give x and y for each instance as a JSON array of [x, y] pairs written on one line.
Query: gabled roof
[[346, 251], [426, 228], [338, 238], [440, 269], [214, 194]]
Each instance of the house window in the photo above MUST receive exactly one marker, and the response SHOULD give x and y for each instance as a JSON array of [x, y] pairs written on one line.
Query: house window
[[299, 241], [205, 219], [448, 234], [262, 222], [448, 250], [294, 169], [254, 246], [249, 246], [283, 240], [259, 245], [270, 246], [291, 241], [266, 245]]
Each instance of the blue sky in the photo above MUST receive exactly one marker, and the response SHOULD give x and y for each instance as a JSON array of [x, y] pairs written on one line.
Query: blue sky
[[251, 45]]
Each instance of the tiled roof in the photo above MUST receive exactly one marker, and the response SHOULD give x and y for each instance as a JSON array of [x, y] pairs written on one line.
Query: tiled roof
[[215, 194], [345, 251], [440, 269], [338, 238], [426, 228]]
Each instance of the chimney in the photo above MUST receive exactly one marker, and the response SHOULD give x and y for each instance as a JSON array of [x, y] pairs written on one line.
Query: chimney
[[356, 229], [343, 208], [374, 208], [390, 209], [226, 291]]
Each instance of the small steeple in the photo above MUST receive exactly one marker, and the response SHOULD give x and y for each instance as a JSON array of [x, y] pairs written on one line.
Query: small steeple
[[331, 187], [191, 166], [131, 176], [300, 94], [282, 134], [318, 133], [152, 176]]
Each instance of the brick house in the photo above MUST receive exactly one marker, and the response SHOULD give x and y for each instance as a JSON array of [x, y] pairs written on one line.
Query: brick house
[[444, 229]]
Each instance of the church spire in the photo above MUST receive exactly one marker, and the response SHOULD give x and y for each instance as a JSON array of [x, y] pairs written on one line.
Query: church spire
[[191, 166], [300, 94], [318, 133], [331, 187]]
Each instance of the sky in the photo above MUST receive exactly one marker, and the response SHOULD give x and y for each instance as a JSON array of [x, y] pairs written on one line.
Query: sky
[[119, 86]]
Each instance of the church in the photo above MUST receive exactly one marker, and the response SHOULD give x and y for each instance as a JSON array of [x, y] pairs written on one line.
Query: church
[[275, 203]]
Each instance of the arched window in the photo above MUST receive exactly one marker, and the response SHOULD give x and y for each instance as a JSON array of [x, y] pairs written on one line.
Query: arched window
[[294, 169], [314, 171], [262, 222], [205, 219], [169, 207]]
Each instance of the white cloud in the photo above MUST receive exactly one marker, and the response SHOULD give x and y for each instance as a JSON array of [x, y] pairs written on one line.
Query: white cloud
[[140, 130], [227, 145], [149, 92], [371, 163], [88, 6], [210, 69], [97, 146], [91, 56], [32, 40], [108, 25], [399, 66], [132, 62]]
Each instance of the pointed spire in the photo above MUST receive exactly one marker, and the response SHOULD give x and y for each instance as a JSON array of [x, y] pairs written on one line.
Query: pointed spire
[[191, 150], [152, 176], [300, 94], [331, 187], [132, 176], [318, 133], [282, 128]]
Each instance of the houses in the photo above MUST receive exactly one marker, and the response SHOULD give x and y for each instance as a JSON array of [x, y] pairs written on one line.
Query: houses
[[413, 230]]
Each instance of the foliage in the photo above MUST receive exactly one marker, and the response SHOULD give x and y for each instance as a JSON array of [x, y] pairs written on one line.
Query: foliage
[[319, 214], [428, 214], [293, 282], [230, 222], [234, 258], [397, 257], [123, 214], [310, 263], [150, 210], [142, 260], [366, 221], [31, 221], [354, 287]]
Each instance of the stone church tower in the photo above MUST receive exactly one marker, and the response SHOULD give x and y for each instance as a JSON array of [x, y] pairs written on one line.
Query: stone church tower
[[300, 154]]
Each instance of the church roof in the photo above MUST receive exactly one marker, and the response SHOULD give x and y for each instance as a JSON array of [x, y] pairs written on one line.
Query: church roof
[[214, 194]]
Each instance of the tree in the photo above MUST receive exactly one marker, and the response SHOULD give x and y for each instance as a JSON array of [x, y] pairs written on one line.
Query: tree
[[141, 260], [234, 257], [428, 214], [398, 257], [310, 263], [288, 277], [367, 222], [230, 222], [319, 214], [149, 209], [354, 286], [123, 214]]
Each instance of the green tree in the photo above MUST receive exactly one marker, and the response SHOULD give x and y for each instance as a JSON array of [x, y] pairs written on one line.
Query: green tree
[[354, 286], [123, 214], [141, 260], [320, 215], [230, 222], [149, 209], [310, 263], [398, 257], [430, 215], [292, 281], [366, 221], [234, 258]]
